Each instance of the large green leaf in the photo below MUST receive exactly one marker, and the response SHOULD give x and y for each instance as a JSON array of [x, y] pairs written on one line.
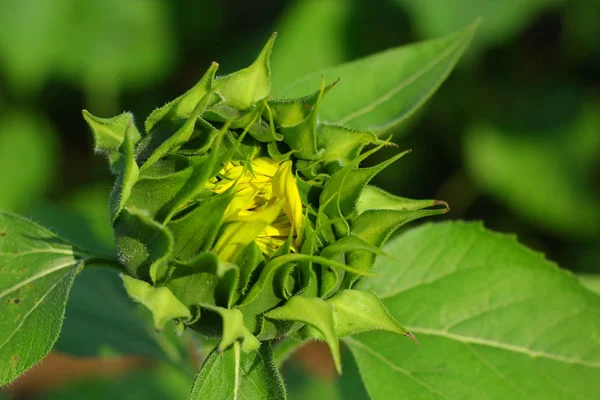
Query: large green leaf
[[37, 269], [590, 281], [495, 321], [256, 377], [380, 91]]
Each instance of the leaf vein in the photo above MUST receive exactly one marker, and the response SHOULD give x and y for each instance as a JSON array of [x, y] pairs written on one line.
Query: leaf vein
[[504, 346], [39, 275], [395, 367], [412, 78]]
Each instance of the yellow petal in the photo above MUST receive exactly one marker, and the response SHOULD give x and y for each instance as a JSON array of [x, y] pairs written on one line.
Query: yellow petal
[[264, 166], [269, 245], [244, 230], [285, 188]]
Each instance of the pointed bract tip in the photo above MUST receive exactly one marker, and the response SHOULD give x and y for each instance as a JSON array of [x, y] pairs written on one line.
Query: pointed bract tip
[[413, 338], [442, 203]]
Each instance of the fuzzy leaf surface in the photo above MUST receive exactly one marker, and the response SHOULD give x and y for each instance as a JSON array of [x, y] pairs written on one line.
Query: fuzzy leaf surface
[[495, 321], [258, 378], [399, 81], [37, 269]]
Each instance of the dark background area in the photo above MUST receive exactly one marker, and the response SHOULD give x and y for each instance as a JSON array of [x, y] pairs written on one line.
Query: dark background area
[[512, 138]]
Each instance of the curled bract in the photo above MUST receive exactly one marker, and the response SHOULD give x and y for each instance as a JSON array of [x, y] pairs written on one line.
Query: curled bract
[[250, 217]]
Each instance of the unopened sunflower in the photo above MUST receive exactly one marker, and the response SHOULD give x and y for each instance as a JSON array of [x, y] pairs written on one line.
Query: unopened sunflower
[[248, 219]]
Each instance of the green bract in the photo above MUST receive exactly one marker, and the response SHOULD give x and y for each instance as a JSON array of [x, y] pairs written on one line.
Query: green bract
[[244, 218]]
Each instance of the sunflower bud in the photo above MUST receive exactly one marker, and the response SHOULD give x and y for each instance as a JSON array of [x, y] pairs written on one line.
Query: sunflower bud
[[247, 218]]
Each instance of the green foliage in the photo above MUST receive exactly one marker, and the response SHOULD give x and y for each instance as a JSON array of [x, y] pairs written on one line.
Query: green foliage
[[236, 375], [37, 271], [514, 324], [399, 81], [248, 217], [182, 219]]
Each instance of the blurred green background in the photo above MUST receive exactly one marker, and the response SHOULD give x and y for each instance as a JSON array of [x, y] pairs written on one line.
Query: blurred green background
[[511, 138]]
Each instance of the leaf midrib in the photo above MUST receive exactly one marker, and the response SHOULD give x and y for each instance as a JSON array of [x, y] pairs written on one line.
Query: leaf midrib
[[39, 275], [502, 346], [403, 84], [35, 306], [393, 366]]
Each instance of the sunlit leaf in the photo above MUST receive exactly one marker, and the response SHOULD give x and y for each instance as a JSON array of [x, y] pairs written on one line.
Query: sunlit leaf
[[513, 324], [257, 378], [37, 269], [380, 91]]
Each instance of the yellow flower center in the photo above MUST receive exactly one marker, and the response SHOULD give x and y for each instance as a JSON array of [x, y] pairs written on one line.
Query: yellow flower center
[[265, 193]]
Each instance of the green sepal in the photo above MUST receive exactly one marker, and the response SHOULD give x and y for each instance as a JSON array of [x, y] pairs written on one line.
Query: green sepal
[[234, 329], [196, 231], [202, 139], [265, 295], [152, 192], [144, 246], [183, 106], [302, 138], [271, 329], [206, 167], [251, 120], [376, 226], [243, 88], [249, 261], [169, 136], [291, 112], [315, 312], [331, 278], [342, 191], [264, 131], [374, 198], [356, 311], [109, 133], [243, 230], [127, 175], [160, 301], [276, 154], [201, 281], [350, 243], [239, 150], [356, 180], [341, 144], [308, 276]]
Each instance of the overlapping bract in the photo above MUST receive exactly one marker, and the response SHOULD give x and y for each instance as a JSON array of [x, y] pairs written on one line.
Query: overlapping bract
[[244, 217]]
